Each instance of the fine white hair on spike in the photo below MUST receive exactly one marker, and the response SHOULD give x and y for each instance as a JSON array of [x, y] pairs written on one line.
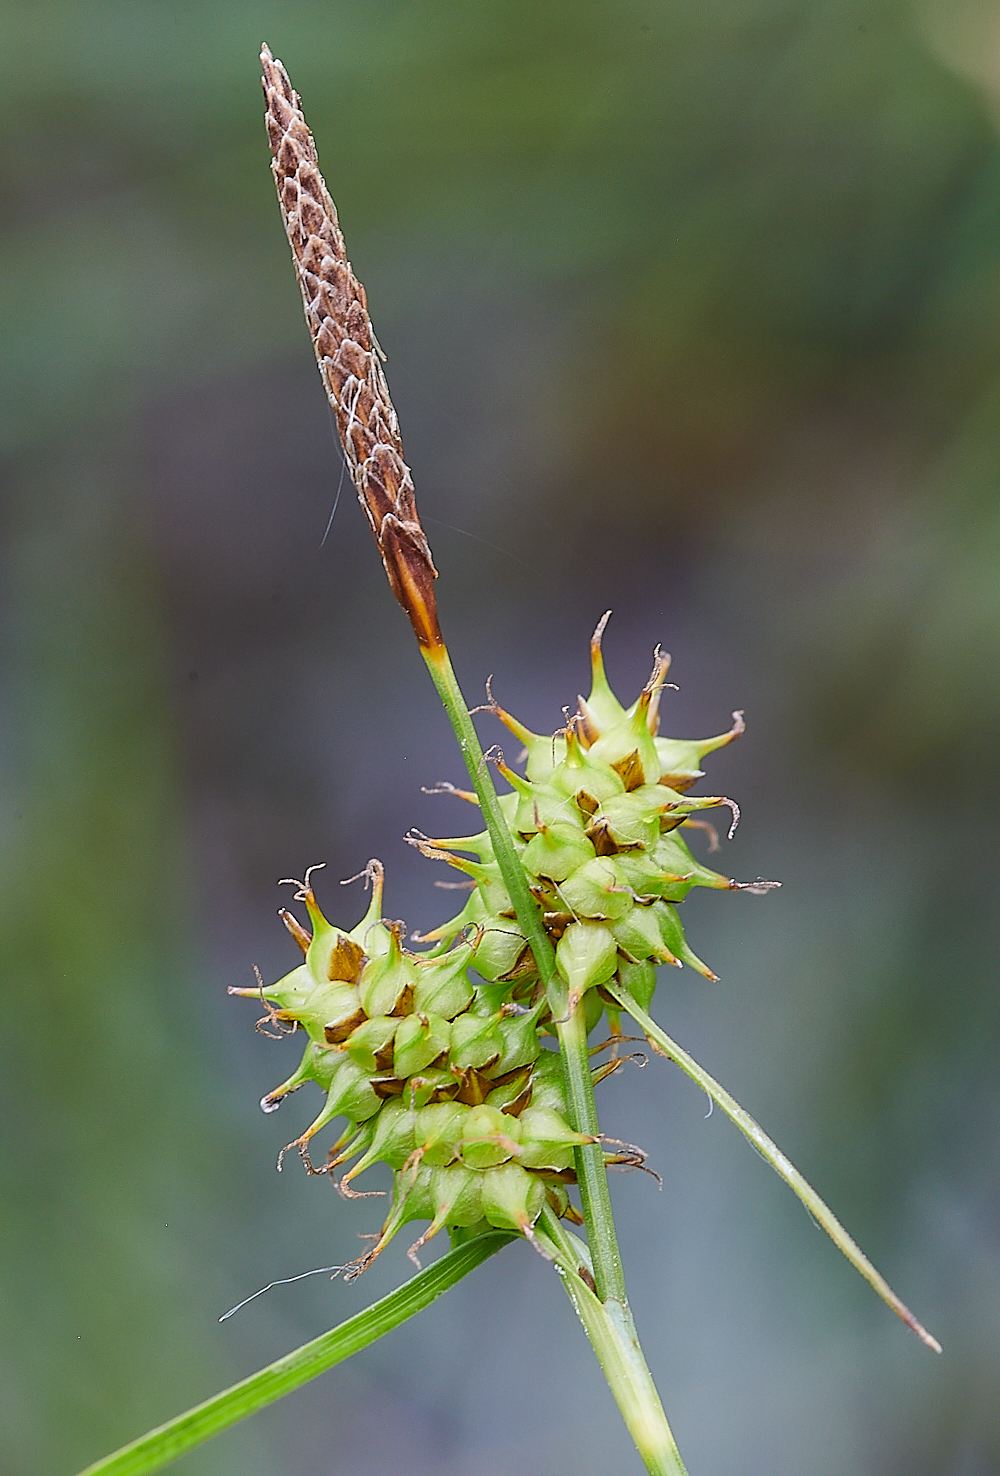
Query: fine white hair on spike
[[282, 1281], [370, 873], [304, 886]]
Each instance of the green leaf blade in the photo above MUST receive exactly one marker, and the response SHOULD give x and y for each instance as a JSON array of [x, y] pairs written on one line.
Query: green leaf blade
[[769, 1150], [158, 1447]]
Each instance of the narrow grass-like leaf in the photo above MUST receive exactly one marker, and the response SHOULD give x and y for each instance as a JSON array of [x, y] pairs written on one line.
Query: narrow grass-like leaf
[[769, 1150], [159, 1447]]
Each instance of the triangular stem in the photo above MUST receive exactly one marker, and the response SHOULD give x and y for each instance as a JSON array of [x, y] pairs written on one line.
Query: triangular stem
[[595, 1197]]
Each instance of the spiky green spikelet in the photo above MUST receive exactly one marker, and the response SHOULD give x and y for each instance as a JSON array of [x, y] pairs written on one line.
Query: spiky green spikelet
[[435, 1059]]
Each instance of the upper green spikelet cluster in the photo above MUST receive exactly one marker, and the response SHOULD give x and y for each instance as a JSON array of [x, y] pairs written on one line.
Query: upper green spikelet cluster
[[435, 1058]]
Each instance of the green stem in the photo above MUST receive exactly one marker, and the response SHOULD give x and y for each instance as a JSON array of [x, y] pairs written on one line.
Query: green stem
[[164, 1444], [594, 1193], [592, 1176], [444, 678], [612, 1335], [769, 1150]]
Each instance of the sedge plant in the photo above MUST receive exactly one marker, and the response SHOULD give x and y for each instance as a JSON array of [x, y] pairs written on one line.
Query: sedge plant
[[466, 1064]]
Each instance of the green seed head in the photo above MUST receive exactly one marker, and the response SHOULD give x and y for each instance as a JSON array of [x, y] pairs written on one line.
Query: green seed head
[[387, 983], [586, 955], [513, 1093], [476, 1041], [433, 1062], [512, 1198], [547, 1140], [421, 1040], [639, 979], [370, 1045], [440, 1130], [672, 934], [472, 915], [458, 1196], [518, 1033], [548, 1084], [557, 850], [581, 778], [489, 1137], [639, 936], [680, 757], [443, 984], [501, 950], [596, 891], [393, 1139], [629, 750]]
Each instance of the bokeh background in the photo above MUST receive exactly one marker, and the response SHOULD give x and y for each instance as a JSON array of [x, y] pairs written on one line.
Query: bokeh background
[[692, 310]]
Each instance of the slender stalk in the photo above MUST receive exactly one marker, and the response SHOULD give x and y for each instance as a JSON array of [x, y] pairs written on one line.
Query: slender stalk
[[609, 1277], [594, 1193], [769, 1150], [612, 1335], [164, 1444], [444, 678]]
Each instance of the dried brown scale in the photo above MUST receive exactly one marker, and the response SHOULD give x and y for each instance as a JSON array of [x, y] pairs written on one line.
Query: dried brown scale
[[336, 311]]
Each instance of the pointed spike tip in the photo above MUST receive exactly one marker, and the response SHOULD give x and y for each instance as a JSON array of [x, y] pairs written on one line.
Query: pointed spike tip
[[602, 706], [599, 629], [301, 935], [655, 687]]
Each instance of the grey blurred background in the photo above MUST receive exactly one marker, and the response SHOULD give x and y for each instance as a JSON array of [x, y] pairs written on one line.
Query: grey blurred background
[[692, 310]]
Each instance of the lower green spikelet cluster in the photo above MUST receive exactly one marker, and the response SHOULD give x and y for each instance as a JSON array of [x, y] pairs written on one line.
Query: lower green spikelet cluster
[[436, 1059]]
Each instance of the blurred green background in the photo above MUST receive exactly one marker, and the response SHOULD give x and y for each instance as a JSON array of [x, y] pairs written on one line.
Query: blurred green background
[[693, 310]]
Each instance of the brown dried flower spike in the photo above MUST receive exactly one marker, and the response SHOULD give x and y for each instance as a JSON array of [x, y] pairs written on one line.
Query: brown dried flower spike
[[347, 352]]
